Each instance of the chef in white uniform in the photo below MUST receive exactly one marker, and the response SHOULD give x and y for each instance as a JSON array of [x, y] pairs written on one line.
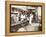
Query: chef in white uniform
[[30, 18], [23, 16]]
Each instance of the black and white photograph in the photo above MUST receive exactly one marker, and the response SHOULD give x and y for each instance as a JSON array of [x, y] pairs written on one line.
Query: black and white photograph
[[25, 18]]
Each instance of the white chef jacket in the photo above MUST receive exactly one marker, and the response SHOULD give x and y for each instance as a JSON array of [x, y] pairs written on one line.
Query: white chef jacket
[[22, 17]]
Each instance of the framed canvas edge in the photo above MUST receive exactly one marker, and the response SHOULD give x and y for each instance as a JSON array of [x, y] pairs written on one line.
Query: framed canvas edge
[[29, 33]]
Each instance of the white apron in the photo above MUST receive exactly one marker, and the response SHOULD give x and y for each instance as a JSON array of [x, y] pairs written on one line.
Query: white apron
[[31, 17]]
